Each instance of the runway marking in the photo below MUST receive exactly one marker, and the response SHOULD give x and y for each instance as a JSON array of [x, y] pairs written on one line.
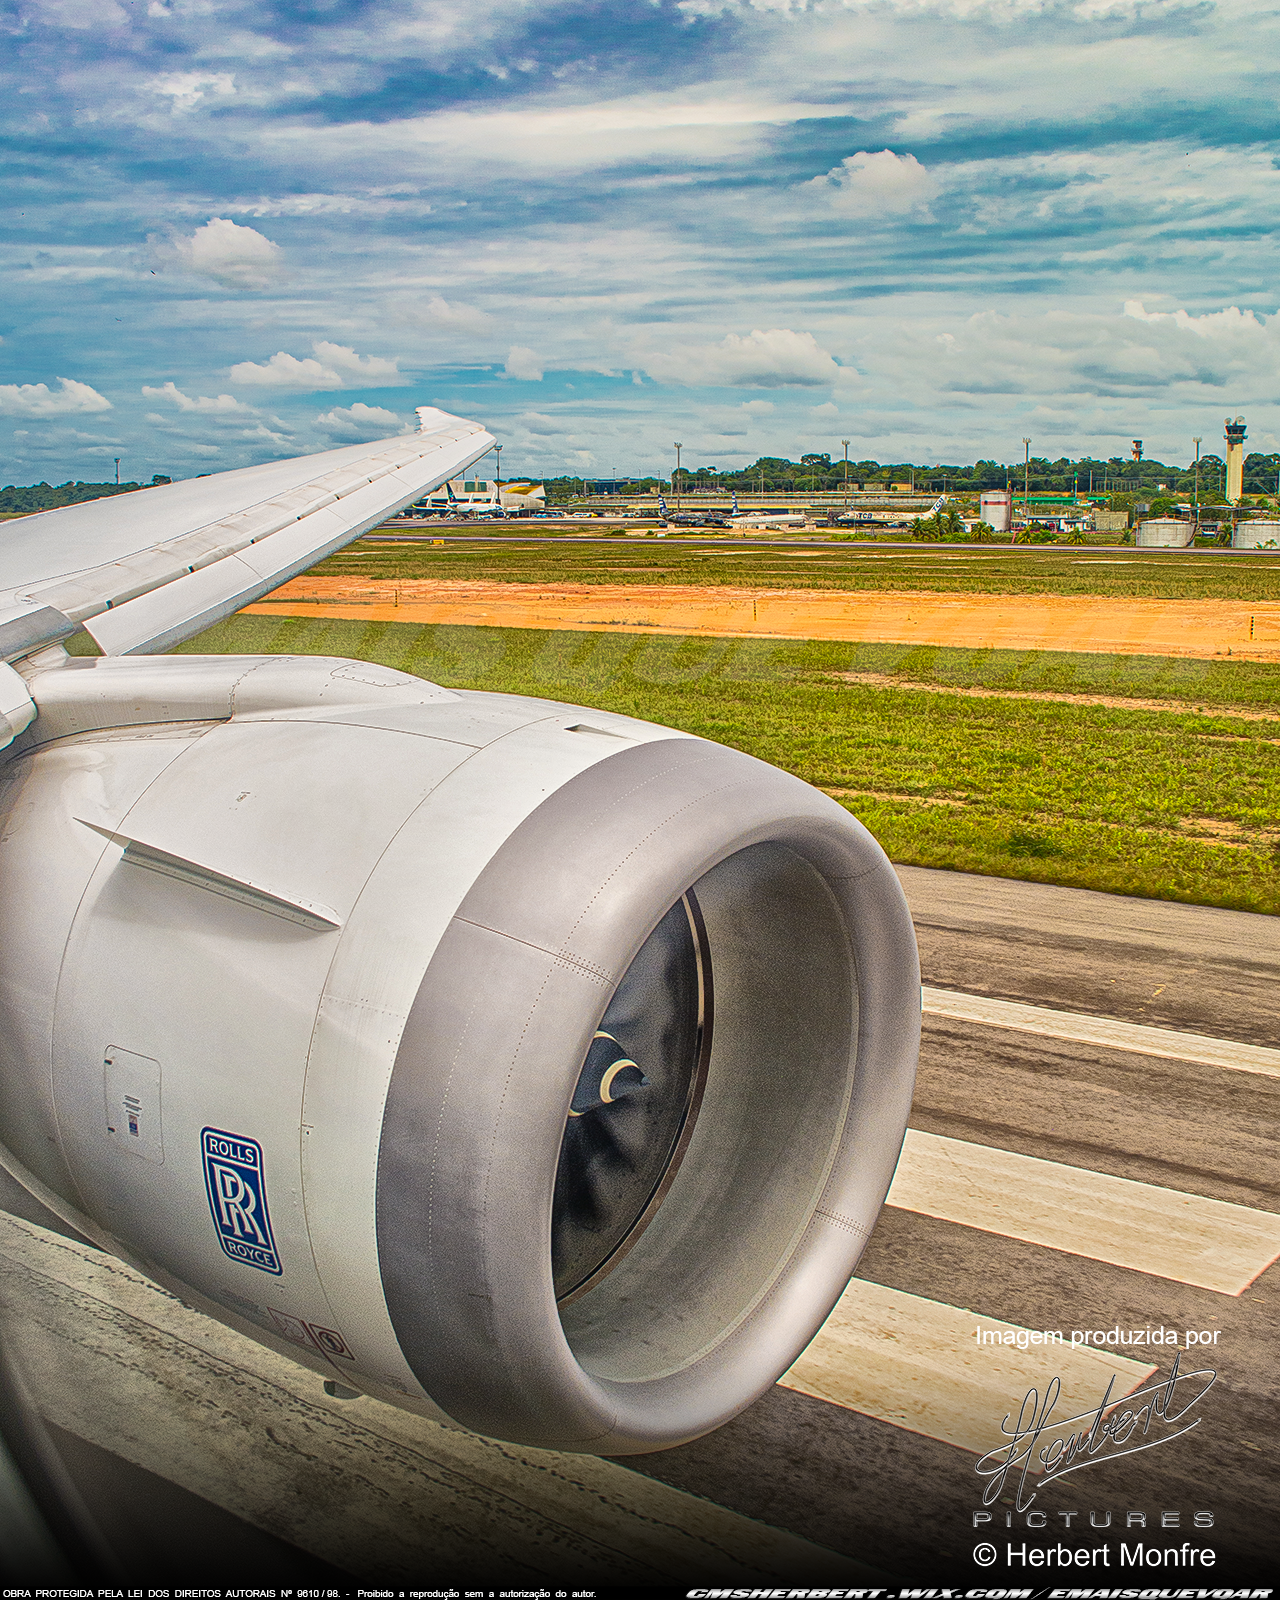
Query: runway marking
[[916, 1364], [1210, 1244], [1106, 1031]]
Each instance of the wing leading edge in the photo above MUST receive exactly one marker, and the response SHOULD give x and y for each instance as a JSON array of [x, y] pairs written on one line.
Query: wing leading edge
[[144, 571]]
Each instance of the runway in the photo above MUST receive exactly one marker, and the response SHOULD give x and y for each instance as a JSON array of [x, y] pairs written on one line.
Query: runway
[[1091, 1150], [904, 1500]]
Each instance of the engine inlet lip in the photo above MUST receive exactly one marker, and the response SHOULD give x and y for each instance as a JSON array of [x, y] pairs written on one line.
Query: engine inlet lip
[[485, 1072]]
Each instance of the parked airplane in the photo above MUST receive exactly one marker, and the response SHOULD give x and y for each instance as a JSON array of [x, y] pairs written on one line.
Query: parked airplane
[[770, 519], [691, 519]]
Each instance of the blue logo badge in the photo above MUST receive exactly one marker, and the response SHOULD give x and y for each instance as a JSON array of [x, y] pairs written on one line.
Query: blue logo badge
[[238, 1198]]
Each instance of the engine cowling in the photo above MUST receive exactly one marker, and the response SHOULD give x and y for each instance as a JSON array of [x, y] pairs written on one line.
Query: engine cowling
[[516, 1062]]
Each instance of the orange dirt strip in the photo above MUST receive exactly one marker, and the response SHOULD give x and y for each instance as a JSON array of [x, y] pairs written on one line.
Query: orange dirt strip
[[1092, 623]]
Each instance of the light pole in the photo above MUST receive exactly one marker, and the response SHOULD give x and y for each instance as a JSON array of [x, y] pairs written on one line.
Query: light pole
[[498, 469], [1196, 493], [845, 443], [1026, 481], [679, 448], [117, 469]]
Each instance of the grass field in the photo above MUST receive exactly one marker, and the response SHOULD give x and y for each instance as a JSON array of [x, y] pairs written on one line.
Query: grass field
[[1180, 803], [1164, 575]]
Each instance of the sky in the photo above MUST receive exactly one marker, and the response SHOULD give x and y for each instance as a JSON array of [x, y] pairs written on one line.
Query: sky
[[244, 229]]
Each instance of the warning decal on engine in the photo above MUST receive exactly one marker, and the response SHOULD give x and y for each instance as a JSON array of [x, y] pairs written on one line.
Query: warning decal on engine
[[238, 1198]]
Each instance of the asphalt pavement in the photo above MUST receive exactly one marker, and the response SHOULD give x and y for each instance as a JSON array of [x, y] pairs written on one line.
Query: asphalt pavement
[[904, 1501]]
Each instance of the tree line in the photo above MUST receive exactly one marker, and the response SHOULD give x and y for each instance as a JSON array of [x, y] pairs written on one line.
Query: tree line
[[818, 473], [47, 497]]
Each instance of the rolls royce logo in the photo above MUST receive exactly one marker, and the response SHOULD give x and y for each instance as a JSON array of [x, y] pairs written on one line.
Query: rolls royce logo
[[237, 1193]]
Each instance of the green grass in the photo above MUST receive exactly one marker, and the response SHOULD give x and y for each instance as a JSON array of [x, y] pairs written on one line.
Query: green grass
[[1122, 800], [1169, 575]]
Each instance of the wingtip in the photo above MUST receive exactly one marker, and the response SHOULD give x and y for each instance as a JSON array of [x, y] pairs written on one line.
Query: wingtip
[[431, 419]]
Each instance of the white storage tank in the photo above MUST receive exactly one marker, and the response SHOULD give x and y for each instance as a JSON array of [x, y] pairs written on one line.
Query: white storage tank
[[1169, 533], [1256, 536], [996, 508]]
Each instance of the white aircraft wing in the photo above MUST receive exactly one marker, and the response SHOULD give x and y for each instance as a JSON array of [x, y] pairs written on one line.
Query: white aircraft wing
[[143, 571]]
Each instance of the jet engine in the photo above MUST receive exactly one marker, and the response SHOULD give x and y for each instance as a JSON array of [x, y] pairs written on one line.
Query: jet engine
[[512, 1062]]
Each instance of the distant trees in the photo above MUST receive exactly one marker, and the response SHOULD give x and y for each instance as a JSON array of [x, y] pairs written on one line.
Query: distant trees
[[816, 472], [45, 497], [946, 525]]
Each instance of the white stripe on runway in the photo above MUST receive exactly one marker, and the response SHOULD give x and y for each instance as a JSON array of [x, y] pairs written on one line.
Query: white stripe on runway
[[916, 1363], [1105, 1031], [1208, 1243]]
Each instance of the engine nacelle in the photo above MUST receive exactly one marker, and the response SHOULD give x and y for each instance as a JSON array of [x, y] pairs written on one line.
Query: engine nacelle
[[525, 1064]]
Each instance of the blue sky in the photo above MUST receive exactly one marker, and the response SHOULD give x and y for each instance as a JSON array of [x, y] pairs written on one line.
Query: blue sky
[[933, 227]]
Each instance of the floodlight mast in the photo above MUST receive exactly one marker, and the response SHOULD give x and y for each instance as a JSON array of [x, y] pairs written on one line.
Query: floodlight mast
[[1026, 488], [1196, 491]]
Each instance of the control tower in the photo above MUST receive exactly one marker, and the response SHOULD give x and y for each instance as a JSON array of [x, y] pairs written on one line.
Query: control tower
[[1235, 459]]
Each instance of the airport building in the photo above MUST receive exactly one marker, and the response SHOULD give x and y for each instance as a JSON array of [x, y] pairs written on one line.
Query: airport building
[[477, 495]]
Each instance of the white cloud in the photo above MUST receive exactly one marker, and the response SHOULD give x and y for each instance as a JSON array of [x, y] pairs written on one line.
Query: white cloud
[[80, 13], [1077, 380], [536, 422], [439, 312], [186, 402], [779, 358], [1229, 321], [376, 203], [38, 400], [235, 257], [281, 440], [522, 363], [883, 184], [722, 121], [187, 89], [359, 422], [334, 366]]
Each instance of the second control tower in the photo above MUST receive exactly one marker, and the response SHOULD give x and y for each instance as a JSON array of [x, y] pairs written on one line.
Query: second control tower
[[1235, 459]]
